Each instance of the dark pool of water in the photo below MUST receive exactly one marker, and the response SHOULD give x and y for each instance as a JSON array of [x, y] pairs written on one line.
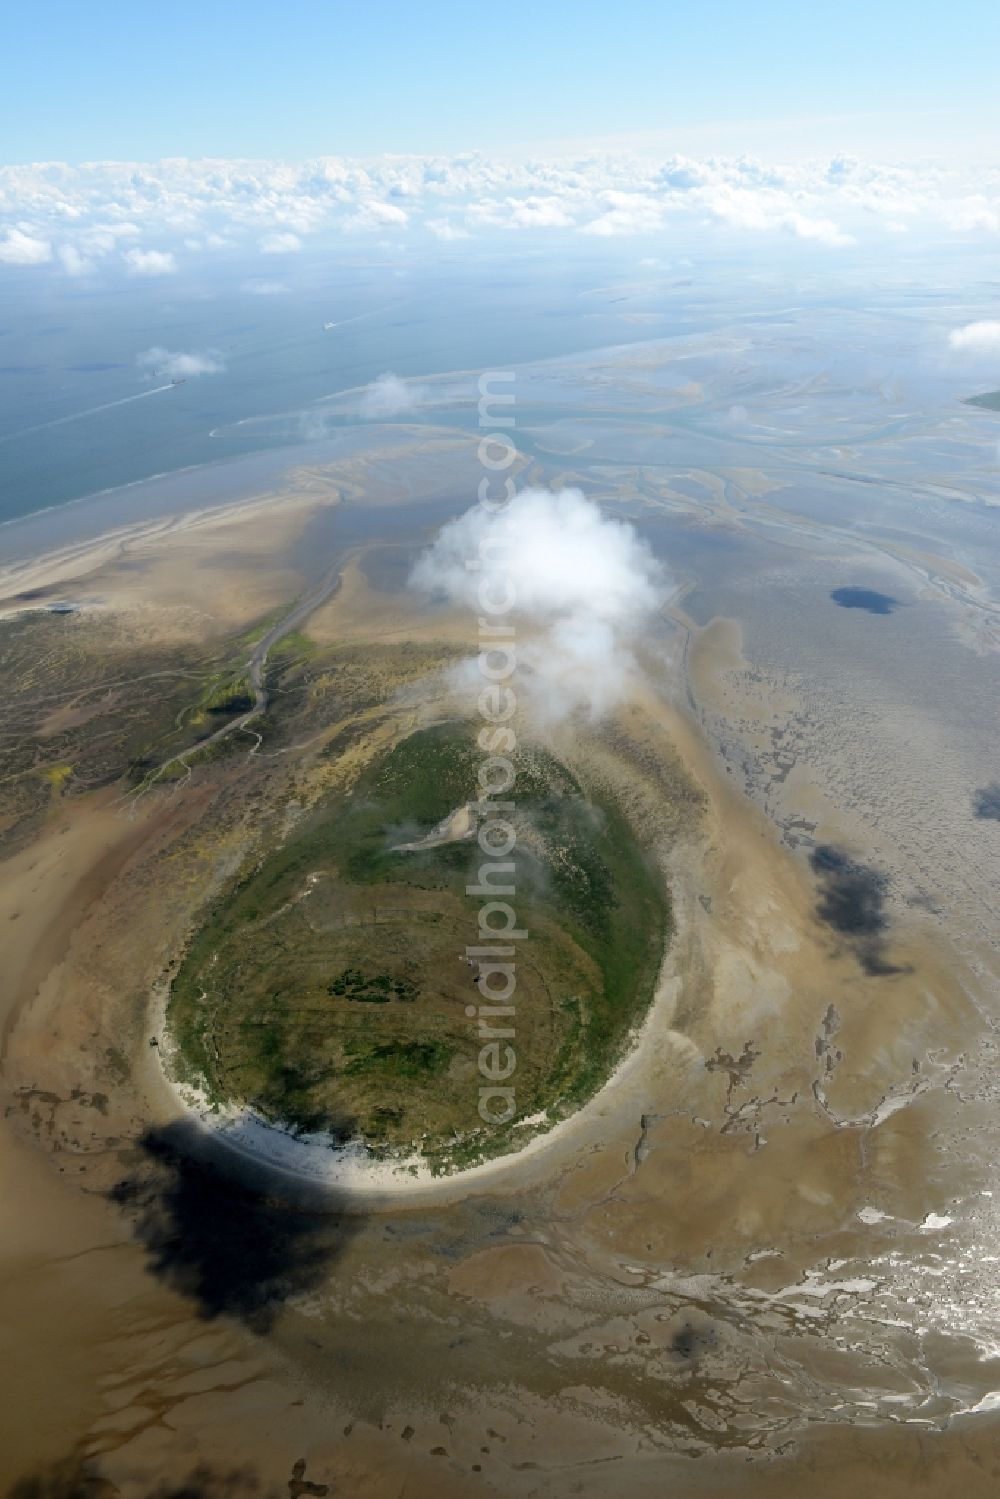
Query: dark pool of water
[[864, 598]]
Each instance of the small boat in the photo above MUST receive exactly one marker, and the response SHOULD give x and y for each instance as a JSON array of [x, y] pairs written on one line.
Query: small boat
[[181, 381], [328, 326]]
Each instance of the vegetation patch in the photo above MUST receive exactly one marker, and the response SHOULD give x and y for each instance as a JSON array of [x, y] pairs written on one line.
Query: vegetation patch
[[332, 982], [376, 989]]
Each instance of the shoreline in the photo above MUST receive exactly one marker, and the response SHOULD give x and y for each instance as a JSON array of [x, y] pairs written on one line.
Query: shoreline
[[272, 1149], [166, 496], [321, 1165], [47, 569]]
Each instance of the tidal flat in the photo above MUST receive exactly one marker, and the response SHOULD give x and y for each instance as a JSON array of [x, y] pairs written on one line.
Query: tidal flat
[[760, 1255]]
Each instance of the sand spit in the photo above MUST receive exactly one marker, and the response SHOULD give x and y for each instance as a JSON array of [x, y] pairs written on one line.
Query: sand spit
[[93, 571]]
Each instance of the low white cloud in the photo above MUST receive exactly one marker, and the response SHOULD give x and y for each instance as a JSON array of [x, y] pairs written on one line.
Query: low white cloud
[[280, 244], [19, 248], [390, 396], [72, 262], [539, 213], [375, 215], [823, 231], [972, 214], [443, 230], [208, 242], [101, 238], [626, 213], [150, 262], [976, 338], [586, 584], [273, 205], [175, 365]]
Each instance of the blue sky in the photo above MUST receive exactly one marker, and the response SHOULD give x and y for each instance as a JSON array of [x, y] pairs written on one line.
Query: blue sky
[[105, 79]]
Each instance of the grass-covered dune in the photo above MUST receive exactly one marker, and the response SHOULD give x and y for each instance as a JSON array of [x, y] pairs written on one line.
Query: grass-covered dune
[[329, 988]]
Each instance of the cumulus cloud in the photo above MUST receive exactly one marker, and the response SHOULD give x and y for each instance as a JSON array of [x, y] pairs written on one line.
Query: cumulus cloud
[[539, 213], [823, 231], [19, 248], [976, 338], [841, 167], [971, 214], [150, 262], [209, 242], [280, 244], [443, 230], [585, 584], [72, 262], [626, 213], [390, 396], [271, 205], [178, 366], [374, 215], [101, 238]]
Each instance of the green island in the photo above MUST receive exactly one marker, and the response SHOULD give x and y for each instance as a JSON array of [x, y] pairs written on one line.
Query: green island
[[990, 399], [329, 988]]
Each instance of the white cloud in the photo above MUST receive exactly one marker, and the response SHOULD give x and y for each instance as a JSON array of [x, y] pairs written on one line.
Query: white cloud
[[587, 583], [968, 215], [177, 366], [539, 213], [390, 396], [150, 262], [823, 231], [101, 239], [841, 167], [20, 248], [441, 229], [208, 242], [377, 215], [280, 244], [976, 338], [626, 213], [273, 205], [385, 213], [73, 263]]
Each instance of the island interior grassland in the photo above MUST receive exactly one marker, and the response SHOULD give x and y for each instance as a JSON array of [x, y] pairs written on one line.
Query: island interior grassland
[[329, 987]]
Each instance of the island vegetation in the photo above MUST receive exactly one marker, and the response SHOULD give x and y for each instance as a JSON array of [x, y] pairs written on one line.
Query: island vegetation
[[329, 987]]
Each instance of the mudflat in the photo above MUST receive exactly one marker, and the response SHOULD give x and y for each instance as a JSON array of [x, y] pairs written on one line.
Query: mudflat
[[752, 1248]]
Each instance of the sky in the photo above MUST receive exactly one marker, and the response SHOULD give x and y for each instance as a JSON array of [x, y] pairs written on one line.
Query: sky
[[143, 140], [120, 80]]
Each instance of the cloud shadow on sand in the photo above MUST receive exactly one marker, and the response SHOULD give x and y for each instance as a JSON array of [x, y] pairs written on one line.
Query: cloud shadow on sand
[[986, 802], [852, 902], [236, 1246], [75, 1477]]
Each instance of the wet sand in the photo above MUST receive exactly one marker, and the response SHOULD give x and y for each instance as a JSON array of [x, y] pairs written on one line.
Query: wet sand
[[757, 1262]]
